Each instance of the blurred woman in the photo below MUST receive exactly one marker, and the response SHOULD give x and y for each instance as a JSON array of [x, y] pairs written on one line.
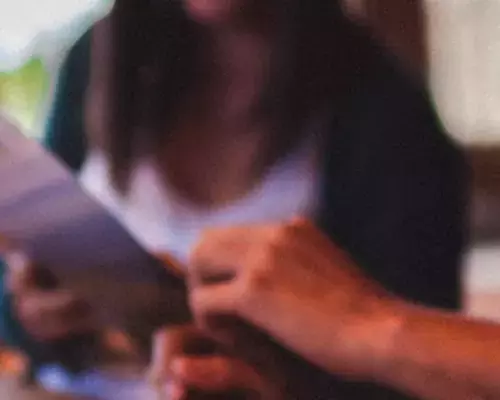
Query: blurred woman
[[213, 113]]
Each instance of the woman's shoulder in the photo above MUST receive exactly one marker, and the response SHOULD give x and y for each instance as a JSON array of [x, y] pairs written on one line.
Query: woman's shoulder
[[389, 106], [389, 122]]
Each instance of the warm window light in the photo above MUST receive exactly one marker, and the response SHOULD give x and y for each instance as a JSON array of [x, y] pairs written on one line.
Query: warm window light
[[39, 28]]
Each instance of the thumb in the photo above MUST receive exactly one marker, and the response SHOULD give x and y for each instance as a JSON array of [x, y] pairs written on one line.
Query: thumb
[[21, 274]]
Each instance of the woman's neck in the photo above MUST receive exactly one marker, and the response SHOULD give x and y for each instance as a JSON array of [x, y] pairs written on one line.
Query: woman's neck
[[216, 157], [237, 63]]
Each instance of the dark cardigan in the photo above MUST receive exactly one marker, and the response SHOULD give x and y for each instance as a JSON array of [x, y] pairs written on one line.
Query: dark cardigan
[[394, 192]]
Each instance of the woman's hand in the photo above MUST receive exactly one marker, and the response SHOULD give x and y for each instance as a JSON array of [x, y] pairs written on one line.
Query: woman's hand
[[186, 361], [291, 281], [46, 314]]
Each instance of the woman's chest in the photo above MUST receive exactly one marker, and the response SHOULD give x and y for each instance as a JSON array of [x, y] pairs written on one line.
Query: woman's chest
[[163, 221]]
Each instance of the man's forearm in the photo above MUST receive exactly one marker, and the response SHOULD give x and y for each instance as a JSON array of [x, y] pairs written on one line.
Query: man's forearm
[[441, 356]]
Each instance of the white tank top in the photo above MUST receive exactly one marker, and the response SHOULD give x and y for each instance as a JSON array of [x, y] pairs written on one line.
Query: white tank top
[[162, 221]]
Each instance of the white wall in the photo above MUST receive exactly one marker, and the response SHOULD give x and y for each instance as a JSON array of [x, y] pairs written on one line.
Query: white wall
[[464, 43]]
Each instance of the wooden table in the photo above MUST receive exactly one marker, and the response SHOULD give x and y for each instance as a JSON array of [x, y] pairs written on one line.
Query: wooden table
[[120, 374], [10, 389]]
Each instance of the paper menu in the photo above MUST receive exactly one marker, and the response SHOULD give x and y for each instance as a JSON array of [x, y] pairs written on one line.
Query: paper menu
[[43, 208]]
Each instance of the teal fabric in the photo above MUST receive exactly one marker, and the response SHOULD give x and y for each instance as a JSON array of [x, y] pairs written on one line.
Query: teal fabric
[[66, 117], [11, 331], [65, 121]]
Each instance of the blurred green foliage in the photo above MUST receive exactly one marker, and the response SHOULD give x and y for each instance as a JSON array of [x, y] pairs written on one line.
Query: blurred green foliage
[[23, 92]]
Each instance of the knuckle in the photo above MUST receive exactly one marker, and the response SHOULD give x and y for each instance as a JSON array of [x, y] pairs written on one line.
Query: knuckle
[[280, 236], [276, 236]]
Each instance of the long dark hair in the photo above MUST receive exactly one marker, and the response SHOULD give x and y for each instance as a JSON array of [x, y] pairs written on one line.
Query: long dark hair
[[154, 59]]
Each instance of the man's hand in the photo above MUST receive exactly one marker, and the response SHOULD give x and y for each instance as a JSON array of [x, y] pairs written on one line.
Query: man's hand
[[46, 314], [186, 360], [291, 281]]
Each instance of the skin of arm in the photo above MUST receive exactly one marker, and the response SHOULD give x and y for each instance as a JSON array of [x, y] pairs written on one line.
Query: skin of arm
[[441, 356]]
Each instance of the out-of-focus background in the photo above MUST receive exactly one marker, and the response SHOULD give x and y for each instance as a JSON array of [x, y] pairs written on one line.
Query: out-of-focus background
[[454, 44]]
